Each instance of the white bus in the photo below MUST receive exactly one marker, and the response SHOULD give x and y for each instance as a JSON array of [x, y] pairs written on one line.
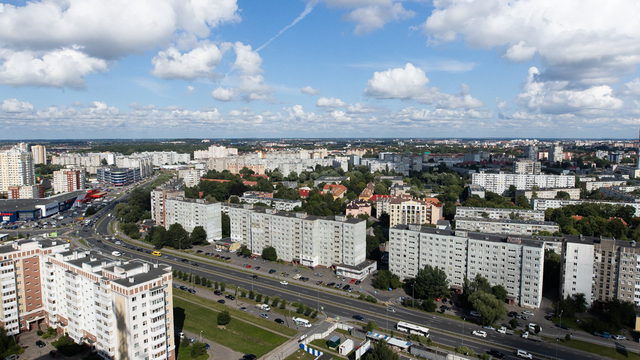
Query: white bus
[[412, 329], [301, 322]]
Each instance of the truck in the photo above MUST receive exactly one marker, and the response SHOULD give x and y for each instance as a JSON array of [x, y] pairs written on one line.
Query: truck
[[263, 307], [504, 330], [530, 336], [297, 276], [605, 334]]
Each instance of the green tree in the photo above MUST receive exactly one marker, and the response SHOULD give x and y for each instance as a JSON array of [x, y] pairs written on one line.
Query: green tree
[[259, 297], [223, 286], [514, 323], [381, 351], [283, 304], [430, 283], [246, 171], [275, 301], [198, 349], [370, 326], [500, 292], [381, 189], [269, 253], [245, 251], [199, 236], [563, 195], [226, 225], [385, 280], [90, 211], [224, 318], [489, 308]]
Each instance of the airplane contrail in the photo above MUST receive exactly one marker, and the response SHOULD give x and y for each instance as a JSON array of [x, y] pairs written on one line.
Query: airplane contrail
[[307, 10]]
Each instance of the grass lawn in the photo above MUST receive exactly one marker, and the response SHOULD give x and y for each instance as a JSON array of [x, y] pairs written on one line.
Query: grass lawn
[[300, 355], [184, 353], [83, 242], [236, 335], [570, 322], [322, 343], [282, 329], [602, 350]]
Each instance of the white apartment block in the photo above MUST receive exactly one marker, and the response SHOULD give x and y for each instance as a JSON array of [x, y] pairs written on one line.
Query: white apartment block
[[87, 160], [278, 204], [544, 204], [298, 237], [500, 183], [16, 168], [556, 153], [214, 152], [194, 212], [577, 269], [498, 213], [191, 177], [144, 163], [39, 154], [159, 158], [158, 198], [595, 185], [505, 226], [515, 263], [614, 192], [526, 167], [65, 180], [574, 193], [285, 165]]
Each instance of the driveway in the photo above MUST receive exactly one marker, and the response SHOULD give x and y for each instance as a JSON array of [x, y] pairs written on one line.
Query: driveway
[[28, 341]]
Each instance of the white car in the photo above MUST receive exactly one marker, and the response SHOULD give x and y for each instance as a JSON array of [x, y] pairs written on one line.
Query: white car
[[526, 312], [489, 327], [480, 333], [619, 337], [532, 327], [524, 354], [474, 313], [284, 282]]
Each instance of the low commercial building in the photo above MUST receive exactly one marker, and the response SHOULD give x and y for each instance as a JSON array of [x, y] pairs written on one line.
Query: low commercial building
[[574, 193], [505, 226], [300, 238], [514, 262], [498, 213], [544, 204], [34, 209], [191, 213]]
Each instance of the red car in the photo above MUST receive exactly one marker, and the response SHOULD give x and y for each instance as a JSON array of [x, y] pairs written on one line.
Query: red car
[[248, 266], [353, 280]]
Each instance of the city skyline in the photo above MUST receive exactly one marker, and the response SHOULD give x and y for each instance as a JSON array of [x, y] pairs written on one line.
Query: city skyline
[[319, 69]]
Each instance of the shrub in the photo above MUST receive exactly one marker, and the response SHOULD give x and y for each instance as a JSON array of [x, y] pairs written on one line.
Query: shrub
[[371, 299], [266, 299], [224, 318], [198, 349], [215, 285], [223, 286], [484, 357], [307, 311], [252, 294], [275, 301], [197, 280], [39, 332], [314, 314], [283, 304], [259, 297], [429, 306], [362, 297], [243, 293], [464, 350], [370, 326], [514, 323], [185, 342]]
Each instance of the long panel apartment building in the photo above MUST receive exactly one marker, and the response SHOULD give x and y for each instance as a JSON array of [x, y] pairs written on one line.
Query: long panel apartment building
[[544, 204], [298, 237], [505, 226], [191, 213], [515, 263], [498, 213], [123, 308], [500, 183]]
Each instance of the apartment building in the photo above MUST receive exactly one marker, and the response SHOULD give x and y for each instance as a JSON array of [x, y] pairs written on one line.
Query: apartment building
[[66, 180], [405, 210], [500, 183], [526, 167], [298, 237], [25, 192], [505, 226], [614, 192], [358, 207], [574, 193], [194, 212], [556, 153], [39, 154], [215, 152], [544, 204], [595, 185], [143, 163], [513, 262], [191, 177], [497, 213], [158, 198], [531, 152], [16, 168], [159, 158], [278, 204], [89, 160]]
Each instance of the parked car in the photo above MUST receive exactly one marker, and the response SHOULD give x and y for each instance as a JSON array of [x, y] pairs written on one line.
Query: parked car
[[53, 353], [358, 282], [243, 309], [264, 315], [221, 301], [218, 292], [249, 357], [619, 337], [331, 284], [563, 326], [479, 333], [512, 314], [272, 271], [474, 313], [489, 327], [527, 312], [40, 344], [279, 321], [230, 297], [523, 354]]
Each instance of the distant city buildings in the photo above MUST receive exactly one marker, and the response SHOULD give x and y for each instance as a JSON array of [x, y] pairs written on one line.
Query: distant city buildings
[[505, 226], [574, 193], [555, 153], [498, 213], [500, 183], [278, 204], [544, 204], [531, 152], [215, 152]]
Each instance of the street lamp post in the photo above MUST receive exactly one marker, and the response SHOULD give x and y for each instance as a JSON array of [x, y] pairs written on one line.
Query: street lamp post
[[201, 335]]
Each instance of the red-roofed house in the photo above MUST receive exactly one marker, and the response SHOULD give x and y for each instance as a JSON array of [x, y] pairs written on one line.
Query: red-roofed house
[[357, 207], [338, 191], [376, 197], [304, 192], [367, 193]]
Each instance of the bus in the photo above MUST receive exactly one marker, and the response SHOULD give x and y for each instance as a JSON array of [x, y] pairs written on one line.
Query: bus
[[412, 329], [301, 322]]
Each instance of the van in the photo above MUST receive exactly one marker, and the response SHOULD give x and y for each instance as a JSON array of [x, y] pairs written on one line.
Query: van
[[301, 322], [156, 253], [116, 253], [263, 307]]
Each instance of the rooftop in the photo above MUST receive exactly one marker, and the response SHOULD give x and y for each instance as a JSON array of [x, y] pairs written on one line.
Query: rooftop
[[30, 204], [508, 221]]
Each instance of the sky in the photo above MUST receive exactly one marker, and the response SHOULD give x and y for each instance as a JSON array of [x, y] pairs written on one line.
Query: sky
[[95, 69]]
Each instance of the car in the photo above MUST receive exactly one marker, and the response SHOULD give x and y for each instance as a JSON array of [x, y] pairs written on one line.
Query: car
[[191, 291], [489, 327], [496, 354], [563, 326], [518, 316], [221, 301], [199, 251], [474, 313], [206, 346], [284, 282], [272, 271], [352, 281], [40, 344], [53, 353], [217, 255], [249, 357], [254, 276], [532, 327], [619, 337], [192, 340], [391, 310], [527, 312], [256, 268], [524, 354], [512, 314], [358, 317], [279, 321], [194, 264], [243, 309], [358, 282], [264, 315], [338, 285], [319, 282], [182, 287], [346, 287], [230, 297], [331, 284], [526, 317], [479, 333]]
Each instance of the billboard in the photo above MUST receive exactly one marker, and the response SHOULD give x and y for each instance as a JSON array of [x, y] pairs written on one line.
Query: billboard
[[48, 209]]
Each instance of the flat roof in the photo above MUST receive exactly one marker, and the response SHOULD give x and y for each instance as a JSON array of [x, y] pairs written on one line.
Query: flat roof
[[30, 204], [497, 209], [527, 240], [508, 221]]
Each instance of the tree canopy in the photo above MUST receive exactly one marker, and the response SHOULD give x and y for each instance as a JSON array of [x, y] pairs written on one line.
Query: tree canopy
[[430, 283], [269, 253], [381, 351]]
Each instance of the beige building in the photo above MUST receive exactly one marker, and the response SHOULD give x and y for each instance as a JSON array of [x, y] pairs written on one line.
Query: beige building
[[191, 213], [526, 167], [39, 154], [66, 180], [158, 199], [16, 168], [406, 210], [191, 177], [235, 168]]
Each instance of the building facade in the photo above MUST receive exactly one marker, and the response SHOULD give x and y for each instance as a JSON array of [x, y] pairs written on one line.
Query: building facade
[[158, 198], [65, 180], [595, 185], [118, 176], [358, 207], [544, 204], [515, 263], [278, 204], [194, 212], [406, 210], [16, 168], [39, 154], [526, 167], [574, 193], [191, 177], [497, 213], [505, 226], [500, 183], [298, 237]]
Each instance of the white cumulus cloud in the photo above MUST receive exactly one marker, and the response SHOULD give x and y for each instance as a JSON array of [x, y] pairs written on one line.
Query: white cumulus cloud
[[197, 63], [15, 106], [310, 91], [330, 102], [371, 15]]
